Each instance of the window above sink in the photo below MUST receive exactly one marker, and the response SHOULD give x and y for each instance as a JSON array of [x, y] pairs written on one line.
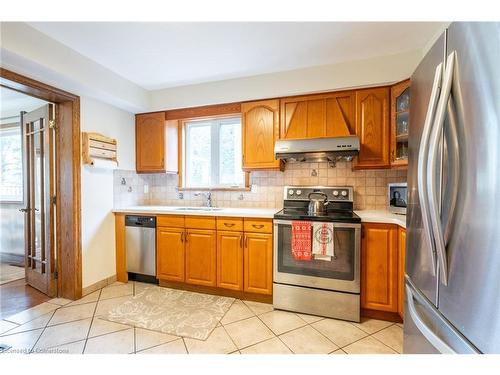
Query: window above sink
[[212, 153]]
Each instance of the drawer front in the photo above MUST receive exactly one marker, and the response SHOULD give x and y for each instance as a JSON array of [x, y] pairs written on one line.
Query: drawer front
[[258, 225], [230, 223], [200, 222], [173, 221]]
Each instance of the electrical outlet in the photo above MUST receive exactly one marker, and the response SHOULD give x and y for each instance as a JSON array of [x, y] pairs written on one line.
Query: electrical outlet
[[146, 189]]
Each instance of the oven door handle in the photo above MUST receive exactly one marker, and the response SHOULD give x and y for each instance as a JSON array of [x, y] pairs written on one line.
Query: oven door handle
[[277, 222]]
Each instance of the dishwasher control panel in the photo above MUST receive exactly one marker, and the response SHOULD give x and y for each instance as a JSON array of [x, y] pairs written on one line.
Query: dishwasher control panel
[[140, 221]]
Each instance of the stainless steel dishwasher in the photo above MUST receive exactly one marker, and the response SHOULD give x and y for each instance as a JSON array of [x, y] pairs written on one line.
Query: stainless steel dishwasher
[[140, 246]]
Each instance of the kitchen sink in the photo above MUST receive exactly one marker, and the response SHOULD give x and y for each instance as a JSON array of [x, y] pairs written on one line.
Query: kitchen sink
[[199, 209]]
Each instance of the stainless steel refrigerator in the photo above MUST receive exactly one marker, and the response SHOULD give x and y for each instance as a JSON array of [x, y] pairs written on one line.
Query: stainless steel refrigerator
[[452, 281]]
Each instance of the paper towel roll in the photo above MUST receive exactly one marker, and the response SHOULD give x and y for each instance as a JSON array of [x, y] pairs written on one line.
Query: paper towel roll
[[104, 164]]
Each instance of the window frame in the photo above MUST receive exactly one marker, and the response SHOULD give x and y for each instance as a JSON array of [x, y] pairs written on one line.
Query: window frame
[[183, 147], [13, 125]]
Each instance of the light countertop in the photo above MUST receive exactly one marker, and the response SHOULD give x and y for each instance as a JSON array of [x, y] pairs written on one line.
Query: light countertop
[[381, 216], [265, 213], [367, 216]]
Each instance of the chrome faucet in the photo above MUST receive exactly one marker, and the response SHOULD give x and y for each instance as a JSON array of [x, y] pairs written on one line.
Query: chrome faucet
[[208, 197]]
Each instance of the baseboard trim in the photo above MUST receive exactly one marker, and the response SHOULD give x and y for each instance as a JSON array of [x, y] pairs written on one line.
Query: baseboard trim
[[381, 315], [218, 291], [98, 285]]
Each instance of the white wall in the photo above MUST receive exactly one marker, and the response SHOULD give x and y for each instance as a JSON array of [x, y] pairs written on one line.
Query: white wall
[[98, 226], [27, 51], [375, 71]]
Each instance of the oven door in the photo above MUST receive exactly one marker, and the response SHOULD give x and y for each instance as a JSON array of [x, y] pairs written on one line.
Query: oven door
[[340, 274]]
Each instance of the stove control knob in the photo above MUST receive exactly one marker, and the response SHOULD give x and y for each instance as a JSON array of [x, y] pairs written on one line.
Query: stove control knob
[[298, 192], [290, 192], [344, 193], [335, 193]]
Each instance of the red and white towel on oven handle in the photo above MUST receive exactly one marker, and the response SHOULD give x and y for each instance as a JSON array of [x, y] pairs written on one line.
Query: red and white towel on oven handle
[[301, 240], [322, 243]]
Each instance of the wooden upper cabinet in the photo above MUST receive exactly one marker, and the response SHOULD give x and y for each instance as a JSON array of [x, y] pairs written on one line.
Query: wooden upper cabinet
[[379, 267], [401, 270], [400, 122], [258, 263], [260, 126], [170, 253], [155, 143], [372, 128], [201, 257], [314, 116]]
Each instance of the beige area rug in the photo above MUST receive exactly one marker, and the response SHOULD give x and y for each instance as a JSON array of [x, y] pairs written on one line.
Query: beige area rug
[[172, 311]]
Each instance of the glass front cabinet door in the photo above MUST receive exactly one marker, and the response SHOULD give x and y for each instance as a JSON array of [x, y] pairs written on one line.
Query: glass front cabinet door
[[400, 122]]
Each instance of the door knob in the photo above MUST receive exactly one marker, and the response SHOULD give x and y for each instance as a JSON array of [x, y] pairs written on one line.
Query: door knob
[[24, 209]]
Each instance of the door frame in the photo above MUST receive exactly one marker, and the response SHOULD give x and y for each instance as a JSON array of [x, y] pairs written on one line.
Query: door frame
[[68, 178]]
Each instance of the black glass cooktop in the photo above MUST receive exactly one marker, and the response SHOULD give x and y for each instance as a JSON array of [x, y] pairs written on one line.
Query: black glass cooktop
[[295, 213]]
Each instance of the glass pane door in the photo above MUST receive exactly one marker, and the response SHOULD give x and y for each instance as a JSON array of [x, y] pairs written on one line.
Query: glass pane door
[[39, 190], [402, 124]]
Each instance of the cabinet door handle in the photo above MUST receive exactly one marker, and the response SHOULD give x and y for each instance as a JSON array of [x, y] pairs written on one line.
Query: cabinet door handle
[[182, 236], [229, 225], [258, 226], [185, 237], [241, 241], [246, 241]]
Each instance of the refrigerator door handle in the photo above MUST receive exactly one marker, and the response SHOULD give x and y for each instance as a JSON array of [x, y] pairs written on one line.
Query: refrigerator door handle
[[453, 150], [432, 168], [422, 327], [422, 162]]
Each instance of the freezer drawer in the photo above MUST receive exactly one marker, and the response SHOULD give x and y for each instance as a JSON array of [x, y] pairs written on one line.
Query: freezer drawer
[[426, 331], [140, 244]]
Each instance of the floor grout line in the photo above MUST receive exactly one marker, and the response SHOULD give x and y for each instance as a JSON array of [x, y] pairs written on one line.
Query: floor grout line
[[383, 343], [185, 346], [322, 334], [235, 300], [154, 346], [230, 338], [91, 322], [44, 328], [135, 341]]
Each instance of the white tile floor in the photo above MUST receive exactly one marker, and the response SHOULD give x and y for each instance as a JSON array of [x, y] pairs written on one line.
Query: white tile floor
[[63, 326]]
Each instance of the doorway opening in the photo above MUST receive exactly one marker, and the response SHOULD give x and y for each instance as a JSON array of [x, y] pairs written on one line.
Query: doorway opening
[[23, 164], [12, 197], [45, 217]]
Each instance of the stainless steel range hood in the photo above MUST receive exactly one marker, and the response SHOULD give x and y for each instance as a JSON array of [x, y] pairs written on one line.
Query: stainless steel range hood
[[317, 149]]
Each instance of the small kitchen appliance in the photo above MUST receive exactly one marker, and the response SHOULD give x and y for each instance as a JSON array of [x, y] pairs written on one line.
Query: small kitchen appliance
[[398, 197]]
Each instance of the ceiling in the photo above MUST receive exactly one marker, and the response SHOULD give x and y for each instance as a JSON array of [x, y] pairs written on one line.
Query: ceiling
[[13, 102], [160, 55]]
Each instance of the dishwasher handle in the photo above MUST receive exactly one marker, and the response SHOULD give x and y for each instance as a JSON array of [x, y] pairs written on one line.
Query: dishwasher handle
[[140, 221]]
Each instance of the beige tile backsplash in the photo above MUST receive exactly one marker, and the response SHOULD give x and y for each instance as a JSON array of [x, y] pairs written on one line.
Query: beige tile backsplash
[[370, 187]]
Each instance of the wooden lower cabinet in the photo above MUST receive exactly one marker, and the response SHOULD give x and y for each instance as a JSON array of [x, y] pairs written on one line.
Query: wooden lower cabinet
[[258, 263], [401, 270], [170, 253], [379, 267], [230, 260], [201, 257], [239, 260]]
